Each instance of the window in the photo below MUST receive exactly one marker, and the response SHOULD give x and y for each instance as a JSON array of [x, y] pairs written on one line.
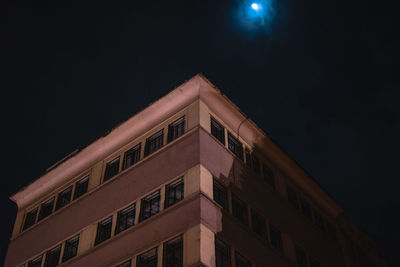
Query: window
[[176, 129], [173, 253], [37, 262], [30, 219], [220, 194], [259, 225], [154, 142], [248, 157], [125, 264], [235, 146], [305, 209], [125, 218], [103, 230], [301, 257], [292, 197], [256, 164], [46, 209], [150, 205], [276, 238], [218, 131], [64, 198], [112, 168], [132, 156], [331, 231], [52, 257], [222, 254], [314, 263], [147, 259], [319, 221], [174, 192], [71, 248], [81, 187], [241, 261], [239, 210], [268, 175]]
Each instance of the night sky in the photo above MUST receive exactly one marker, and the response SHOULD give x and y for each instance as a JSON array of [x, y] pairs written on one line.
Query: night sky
[[320, 77]]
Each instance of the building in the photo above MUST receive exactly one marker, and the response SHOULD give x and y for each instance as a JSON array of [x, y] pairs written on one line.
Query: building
[[188, 181]]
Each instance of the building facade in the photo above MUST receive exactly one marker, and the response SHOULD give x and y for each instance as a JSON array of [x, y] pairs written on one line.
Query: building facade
[[188, 181]]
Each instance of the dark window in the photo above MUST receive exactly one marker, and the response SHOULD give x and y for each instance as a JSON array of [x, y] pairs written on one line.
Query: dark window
[[132, 156], [46, 209], [150, 205], [147, 259], [112, 168], [218, 131], [52, 257], [154, 142], [81, 187], [248, 157], [64, 198], [30, 219], [176, 129], [301, 257], [276, 238], [103, 230], [292, 197], [222, 254], [125, 264], [314, 263], [268, 175], [239, 210], [235, 146], [241, 261], [71, 248], [259, 225], [174, 192], [173, 253], [306, 209], [256, 164], [37, 262], [319, 221], [125, 218], [220, 194], [331, 231]]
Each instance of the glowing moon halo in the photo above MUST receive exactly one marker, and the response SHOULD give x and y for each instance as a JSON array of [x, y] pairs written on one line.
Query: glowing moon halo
[[255, 6]]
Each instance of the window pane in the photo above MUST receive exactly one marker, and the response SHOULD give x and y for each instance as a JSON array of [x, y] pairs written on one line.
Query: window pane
[[103, 230], [125, 264], [301, 257], [259, 225], [52, 257], [154, 142], [248, 157], [176, 129], [235, 146], [147, 259], [276, 238], [319, 221], [46, 209], [37, 262], [64, 198], [218, 131], [132, 156], [220, 194], [306, 209], [71, 248], [222, 254], [173, 253], [239, 210], [112, 168], [81, 187], [241, 261], [126, 218], [150, 205], [292, 197], [256, 164], [174, 192], [268, 175], [30, 219]]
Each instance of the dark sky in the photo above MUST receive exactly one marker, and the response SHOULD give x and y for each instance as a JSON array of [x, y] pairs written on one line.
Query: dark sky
[[320, 77]]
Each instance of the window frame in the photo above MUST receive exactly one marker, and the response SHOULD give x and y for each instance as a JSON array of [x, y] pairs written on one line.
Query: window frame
[[158, 139], [176, 129], [235, 146], [243, 217], [148, 199], [135, 151], [175, 243], [217, 130], [126, 212], [154, 257], [104, 230], [44, 214], [112, 168], [70, 244], [173, 187], [60, 194]]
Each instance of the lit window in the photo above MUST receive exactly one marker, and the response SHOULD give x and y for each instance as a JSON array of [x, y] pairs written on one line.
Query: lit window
[[37, 262], [71, 248], [276, 238], [154, 142], [176, 129], [241, 261], [319, 221], [268, 175], [222, 254], [235, 146], [259, 225], [30, 219], [150, 205], [52, 257], [305, 209], [125, 264], [132, 156], [173, 253], [239, 210], [218, 131], [147, 259], [81, 187], [46, 209], [301, 257], [220, 194], [103, 230], [64, 198], [292, 197], [126, 218], [174, 192], [112, 168]]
